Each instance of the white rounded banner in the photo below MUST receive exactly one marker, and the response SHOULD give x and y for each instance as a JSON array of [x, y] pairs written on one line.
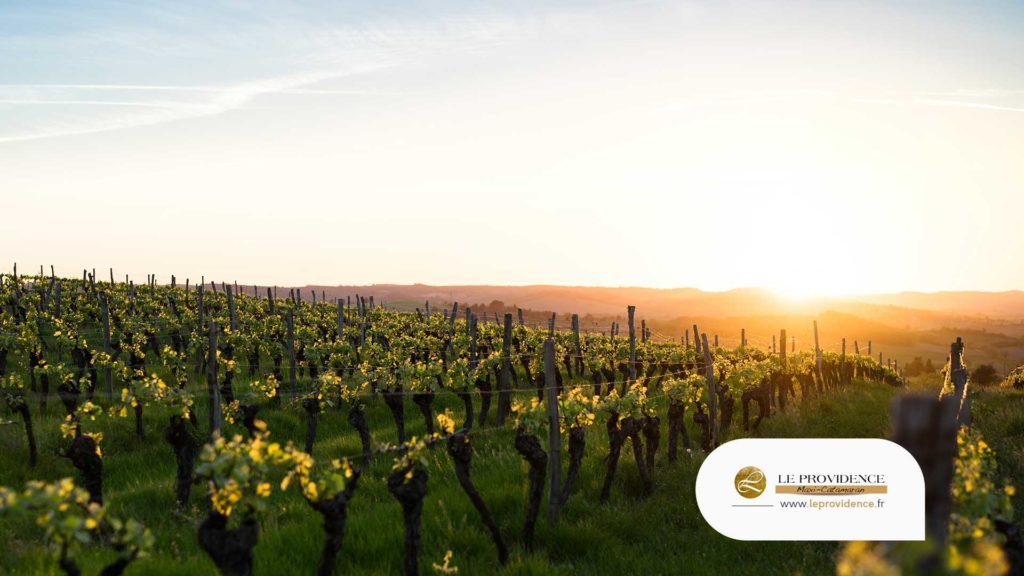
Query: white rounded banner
[[812, 489]]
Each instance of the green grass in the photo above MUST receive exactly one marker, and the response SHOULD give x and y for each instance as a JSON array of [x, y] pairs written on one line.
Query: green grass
[[663, 534], [999, 414]]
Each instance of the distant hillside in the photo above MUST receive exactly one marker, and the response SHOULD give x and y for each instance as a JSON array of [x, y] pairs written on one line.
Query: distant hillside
[[901, 325], [908, 309]]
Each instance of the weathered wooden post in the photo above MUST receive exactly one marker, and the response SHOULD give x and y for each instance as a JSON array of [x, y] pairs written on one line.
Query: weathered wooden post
[[506, 371], [554, 441], [211, 382], [576, 343], [927, 427], [712, 392], [341, 320], [782, 349], [696, 339], [869, 348], [108, 375], [231, 308], [631, 311], [743, 337], [292, 384], [842, 366], [817, 357], [958, 376], [200, 313]]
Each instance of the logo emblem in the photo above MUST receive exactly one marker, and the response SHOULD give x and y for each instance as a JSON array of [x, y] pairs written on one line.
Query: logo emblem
[[750, 482]]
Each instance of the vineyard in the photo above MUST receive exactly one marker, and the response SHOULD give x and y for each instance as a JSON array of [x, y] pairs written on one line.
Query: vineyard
[[169, 429]]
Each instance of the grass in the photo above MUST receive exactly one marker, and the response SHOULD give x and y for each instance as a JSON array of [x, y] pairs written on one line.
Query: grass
[[999, 414], [663, 534]]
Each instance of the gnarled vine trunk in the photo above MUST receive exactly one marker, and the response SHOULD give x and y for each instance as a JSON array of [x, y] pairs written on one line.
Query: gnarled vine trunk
[[357, 419], [676, 428], [84, 455], [425, 400], [528, 446], [230, 550], [396, 403], [312, 408], [26, 418], [467, 403], [652, 434], [577, 445], [334, 512], [409, 486], [485, 398], [461, 452], [184, 440]]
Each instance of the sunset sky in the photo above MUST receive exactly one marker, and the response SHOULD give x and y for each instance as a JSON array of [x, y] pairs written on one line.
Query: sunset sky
[[811, 147]]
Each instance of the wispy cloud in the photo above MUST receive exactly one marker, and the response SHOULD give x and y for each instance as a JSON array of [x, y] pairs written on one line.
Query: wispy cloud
[[962, 104], [217, 100], [323, 52], [941, 103]]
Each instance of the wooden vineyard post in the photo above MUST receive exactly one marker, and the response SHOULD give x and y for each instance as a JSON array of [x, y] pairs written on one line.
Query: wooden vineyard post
[[576, 343], [506, 371], [231, 308], [958, 376], [926, 427], [361, 303], [817, 357], [869, 347], [712, 392], [696, 339], [341, 320], [782, 349], [743, 337], [554, 441], [211, 382], [631, 311], [108, 375], [842, 366], [471, 327], [774, 344], [202, 321], [292, 385], [686, 339]]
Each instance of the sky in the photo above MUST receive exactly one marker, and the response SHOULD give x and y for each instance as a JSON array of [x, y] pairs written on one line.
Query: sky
[[811, 147]]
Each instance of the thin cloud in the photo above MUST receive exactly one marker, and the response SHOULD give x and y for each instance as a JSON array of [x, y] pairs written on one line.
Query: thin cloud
[[92, 103], [222, 99], [962, 104], [939, 102]]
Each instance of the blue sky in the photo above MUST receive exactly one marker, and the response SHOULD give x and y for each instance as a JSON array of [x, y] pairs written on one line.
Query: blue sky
[[562, 135]]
